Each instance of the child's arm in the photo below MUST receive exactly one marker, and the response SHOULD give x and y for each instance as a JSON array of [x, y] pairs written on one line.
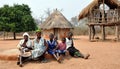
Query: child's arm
[[57, 45], [72, 43]]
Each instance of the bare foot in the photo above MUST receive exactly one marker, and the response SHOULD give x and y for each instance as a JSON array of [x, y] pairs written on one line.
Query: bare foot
[[59, 59], [86, 56]]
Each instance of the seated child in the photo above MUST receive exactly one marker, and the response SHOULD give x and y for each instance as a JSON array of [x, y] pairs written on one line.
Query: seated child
[[72, 50], [62, 47], [52, 47]]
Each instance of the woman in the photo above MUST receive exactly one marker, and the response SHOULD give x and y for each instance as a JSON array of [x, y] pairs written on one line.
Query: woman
[[24, 46], [39, 47]]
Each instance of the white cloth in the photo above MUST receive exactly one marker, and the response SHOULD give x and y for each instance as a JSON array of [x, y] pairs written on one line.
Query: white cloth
[[68, 43], [28, 44], [26, 34], [22, 49], [39, 48]]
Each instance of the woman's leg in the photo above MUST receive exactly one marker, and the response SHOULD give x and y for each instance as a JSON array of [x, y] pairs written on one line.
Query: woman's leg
[[43, 59]]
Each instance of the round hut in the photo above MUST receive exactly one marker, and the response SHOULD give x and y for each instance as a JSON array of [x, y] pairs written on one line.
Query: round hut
[[57, 24], [102, 17]]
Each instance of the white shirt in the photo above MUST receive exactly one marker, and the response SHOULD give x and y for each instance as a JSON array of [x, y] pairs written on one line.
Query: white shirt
[[68, 43]]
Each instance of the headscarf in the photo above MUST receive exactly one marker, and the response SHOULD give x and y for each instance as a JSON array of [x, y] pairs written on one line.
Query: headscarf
[[26, 34]]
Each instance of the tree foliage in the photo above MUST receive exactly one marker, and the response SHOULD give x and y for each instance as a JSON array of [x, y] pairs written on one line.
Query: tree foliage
[[16, 18]]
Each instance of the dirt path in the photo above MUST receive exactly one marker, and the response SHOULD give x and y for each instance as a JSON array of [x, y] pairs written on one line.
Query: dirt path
[[104, 55]]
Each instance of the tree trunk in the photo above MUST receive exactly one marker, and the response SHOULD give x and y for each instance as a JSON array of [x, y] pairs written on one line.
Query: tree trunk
[[14, 35], [4, 35]]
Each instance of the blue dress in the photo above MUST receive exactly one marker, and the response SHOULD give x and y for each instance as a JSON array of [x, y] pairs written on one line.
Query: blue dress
[[51, 46]]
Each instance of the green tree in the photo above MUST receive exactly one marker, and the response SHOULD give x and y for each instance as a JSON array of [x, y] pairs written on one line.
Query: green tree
[[16, 18]]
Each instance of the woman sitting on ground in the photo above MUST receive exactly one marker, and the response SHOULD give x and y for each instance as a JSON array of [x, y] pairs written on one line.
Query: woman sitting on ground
[[24, 46], [39, 47]]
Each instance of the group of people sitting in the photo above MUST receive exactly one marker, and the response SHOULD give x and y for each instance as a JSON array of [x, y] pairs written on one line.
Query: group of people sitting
[[39, 47]]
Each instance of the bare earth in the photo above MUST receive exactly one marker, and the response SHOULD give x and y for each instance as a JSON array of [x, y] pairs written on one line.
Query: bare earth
[[104, 55]]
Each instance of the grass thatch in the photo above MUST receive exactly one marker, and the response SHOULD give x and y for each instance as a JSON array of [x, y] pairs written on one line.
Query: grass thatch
[[96, 3], [56, 20]]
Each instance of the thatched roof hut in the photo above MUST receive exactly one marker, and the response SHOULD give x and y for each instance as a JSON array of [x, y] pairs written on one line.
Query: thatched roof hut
[[99, 16], [95, 4], [57, 24]]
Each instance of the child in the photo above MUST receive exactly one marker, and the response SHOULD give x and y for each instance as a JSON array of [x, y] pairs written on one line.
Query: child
[[52, 46], [62, 47], [72, 50]]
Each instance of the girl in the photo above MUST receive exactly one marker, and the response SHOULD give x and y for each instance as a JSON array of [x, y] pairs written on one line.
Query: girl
[[62, 47], [52, 46]]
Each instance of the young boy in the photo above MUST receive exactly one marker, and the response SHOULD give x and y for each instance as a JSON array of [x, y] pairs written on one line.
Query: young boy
[[52, 47], [72, 50]]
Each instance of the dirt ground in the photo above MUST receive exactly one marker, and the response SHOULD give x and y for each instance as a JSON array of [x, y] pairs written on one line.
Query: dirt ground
[[104, 55]]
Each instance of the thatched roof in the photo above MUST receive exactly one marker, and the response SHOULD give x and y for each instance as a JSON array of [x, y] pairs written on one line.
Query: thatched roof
[[96, 3], [56, 20]]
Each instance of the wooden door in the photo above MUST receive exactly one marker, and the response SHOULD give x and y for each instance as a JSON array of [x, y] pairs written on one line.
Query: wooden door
[[56, 32]]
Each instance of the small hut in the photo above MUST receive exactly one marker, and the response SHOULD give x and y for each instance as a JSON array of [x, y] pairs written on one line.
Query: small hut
[[103, 18], [57, 24]]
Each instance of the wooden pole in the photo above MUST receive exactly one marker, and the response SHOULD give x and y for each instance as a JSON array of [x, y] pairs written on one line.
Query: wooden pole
[[117, 27], [103, 32], [117, 32], [103, 21], [90, 30], [103, 12]]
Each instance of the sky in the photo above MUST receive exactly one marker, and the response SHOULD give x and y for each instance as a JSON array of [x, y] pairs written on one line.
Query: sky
[[70, 8]]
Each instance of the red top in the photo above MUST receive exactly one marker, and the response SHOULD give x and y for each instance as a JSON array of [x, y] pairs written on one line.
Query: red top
[[62, 46]]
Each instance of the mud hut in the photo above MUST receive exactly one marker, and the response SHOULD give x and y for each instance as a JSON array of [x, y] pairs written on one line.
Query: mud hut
[[102, 17], [57, 24]]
